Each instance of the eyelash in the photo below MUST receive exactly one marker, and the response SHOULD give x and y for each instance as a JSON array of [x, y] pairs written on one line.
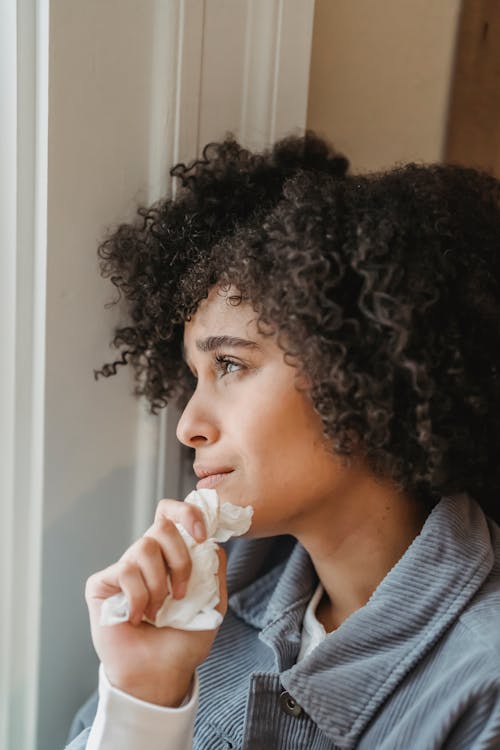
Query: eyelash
[[221, 363]]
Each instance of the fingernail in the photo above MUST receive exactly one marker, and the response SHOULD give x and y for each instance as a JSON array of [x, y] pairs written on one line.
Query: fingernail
[[199, 531]]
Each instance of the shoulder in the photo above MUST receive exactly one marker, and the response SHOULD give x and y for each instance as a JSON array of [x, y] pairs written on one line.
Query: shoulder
[[467, 656], [479, 623], [471, 647], [455, 691]]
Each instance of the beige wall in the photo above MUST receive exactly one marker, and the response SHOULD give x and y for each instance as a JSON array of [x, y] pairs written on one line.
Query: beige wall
[[380, 77]]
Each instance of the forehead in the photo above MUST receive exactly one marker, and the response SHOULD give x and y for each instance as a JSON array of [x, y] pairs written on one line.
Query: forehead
[[219, 315]]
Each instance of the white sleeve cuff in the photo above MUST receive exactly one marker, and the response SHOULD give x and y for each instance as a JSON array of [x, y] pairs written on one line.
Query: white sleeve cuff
[[128, 723]]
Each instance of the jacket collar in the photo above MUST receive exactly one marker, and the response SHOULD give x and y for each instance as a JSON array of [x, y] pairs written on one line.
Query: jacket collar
[[345, 680], [287, 586]]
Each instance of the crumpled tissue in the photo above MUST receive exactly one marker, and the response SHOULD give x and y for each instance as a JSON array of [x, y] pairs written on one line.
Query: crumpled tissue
[[196, 610]]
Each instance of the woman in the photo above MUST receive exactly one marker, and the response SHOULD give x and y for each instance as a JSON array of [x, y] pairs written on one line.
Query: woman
[[334, 341]]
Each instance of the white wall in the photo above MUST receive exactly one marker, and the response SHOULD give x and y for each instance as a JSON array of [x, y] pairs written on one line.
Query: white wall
[[99, 165], [23, 198], [380, 78]]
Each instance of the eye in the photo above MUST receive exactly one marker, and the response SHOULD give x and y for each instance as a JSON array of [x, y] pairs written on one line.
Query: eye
[[226, 365]]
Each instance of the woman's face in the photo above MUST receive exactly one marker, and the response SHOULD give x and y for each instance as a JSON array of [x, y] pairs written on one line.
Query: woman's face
[[257, 438]]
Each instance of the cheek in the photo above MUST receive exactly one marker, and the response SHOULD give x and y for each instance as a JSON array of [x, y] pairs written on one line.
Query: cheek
[[278, 432]]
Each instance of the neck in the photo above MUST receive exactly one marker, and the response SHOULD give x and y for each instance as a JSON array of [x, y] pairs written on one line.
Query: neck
[[354, 548]]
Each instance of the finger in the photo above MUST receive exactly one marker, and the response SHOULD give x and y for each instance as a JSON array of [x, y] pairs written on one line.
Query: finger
[[189, 516], [174, 551], [98, 587], [123, 576], [135, 589], [102, 584], [148, 555]]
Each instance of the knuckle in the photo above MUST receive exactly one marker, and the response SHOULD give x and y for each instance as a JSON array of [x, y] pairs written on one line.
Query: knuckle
[[160, 507], [90, 580], [192, 512], [166, 524], [94, 580], [164, 506], [148, 546], [89, 585], [126, 567], [181, 567]]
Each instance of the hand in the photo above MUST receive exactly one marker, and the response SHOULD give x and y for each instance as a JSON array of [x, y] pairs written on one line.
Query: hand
[[152, 664]]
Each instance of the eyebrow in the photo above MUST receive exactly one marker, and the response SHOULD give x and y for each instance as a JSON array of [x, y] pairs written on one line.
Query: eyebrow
[[212, 343]]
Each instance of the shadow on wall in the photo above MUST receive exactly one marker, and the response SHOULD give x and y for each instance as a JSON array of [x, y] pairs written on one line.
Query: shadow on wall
[[68, 560]]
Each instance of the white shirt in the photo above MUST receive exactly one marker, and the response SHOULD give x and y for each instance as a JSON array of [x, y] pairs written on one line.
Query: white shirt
[[128, 723]]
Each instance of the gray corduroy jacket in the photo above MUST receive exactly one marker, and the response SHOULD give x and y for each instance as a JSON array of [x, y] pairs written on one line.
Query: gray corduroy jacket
[[417, 668]]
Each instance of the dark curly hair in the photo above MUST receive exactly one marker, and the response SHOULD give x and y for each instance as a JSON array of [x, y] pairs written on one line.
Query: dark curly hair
[[382, 288]]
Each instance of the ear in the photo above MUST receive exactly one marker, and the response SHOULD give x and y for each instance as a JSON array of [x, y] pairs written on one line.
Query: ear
[[302, 380]]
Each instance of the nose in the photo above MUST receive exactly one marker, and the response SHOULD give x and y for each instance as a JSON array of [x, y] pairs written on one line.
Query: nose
[[197, 425]]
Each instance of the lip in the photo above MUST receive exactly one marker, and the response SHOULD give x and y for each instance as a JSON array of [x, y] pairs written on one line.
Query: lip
[[212, 480], [210, 476]]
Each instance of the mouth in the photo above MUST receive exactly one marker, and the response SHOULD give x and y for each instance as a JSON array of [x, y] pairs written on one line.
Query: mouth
[[212, 481], [210, 478]]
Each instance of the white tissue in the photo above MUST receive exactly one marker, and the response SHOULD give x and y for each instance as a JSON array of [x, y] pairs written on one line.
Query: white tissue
[[196, 610]]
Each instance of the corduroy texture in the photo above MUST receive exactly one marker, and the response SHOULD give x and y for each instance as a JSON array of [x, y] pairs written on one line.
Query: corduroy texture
[[417, 668]]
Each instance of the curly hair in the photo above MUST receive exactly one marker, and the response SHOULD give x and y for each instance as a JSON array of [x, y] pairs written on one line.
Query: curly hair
[[382, 288]]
